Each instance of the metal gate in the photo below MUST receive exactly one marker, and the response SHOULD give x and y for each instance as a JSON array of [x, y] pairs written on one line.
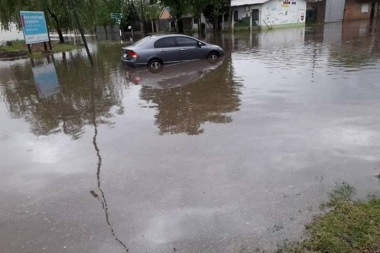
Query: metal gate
[[334, 10]]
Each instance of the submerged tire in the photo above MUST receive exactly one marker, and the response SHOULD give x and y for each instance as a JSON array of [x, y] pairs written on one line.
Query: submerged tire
[[213, 57], [155, 66]]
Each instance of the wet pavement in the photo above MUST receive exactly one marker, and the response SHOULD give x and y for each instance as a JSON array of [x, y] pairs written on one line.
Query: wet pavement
[[227, 157]]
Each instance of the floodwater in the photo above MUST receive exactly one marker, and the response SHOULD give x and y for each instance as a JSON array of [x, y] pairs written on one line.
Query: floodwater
[[226, 157]]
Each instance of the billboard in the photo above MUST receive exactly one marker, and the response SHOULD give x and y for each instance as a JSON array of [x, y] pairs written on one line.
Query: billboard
[[34, 26]]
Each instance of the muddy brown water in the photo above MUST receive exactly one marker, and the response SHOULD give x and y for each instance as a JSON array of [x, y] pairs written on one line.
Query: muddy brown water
[[227, 157]]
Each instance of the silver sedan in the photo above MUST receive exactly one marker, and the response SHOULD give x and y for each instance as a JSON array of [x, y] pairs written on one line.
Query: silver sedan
[[157, 50]]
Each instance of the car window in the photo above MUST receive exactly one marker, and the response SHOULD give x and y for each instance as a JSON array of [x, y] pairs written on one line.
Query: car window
[[186, 42], [141, 42], [165, 42]]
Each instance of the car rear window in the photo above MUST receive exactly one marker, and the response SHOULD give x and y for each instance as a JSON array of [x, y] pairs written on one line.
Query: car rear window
[[141, 42], [165, 42]]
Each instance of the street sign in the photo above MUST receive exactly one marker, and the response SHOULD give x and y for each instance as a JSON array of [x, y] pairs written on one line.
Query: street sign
[[34, 27], [117, 16]]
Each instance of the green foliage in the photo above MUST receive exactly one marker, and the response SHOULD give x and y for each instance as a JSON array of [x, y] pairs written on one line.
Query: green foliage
[[58, 48], [13, 46], [177, 7], [244, 22], [10, 11], [351, 227], [343, 192], [103, 11], [57, 12], [18, 46]]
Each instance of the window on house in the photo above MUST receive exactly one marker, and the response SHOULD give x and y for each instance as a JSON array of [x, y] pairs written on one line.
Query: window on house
[[365, 8], [236, 15]]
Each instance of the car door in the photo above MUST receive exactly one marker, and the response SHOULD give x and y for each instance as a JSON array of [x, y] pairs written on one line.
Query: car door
[[167, 50], [190, 48]]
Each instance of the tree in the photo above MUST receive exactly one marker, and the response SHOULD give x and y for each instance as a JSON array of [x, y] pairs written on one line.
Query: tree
[[214, 11], [152, 13], [104, 8], [177, 9], [197, 7], [57, 12]]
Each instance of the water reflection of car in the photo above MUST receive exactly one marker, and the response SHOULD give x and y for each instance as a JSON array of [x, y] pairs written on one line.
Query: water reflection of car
[[172, 76], [155, 51]]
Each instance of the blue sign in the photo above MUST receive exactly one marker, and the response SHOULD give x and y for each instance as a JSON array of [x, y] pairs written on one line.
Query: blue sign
[[34, 26]]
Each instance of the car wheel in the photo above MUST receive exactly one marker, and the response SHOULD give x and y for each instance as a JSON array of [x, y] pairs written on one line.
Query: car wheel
[[213, 57], [155, 66]]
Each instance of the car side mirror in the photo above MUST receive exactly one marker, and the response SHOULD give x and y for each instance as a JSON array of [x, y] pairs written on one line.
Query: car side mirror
[[199, 44]]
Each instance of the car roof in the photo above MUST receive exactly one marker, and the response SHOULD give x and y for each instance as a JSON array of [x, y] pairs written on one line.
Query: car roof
[[168, 35], [156, 37]]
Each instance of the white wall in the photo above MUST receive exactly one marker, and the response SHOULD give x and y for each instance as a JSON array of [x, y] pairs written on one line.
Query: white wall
[[275, 12], [13, 34]]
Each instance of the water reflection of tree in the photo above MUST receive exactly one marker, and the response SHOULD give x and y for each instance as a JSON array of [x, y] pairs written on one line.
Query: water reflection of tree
[[185, 109], [70, 109]]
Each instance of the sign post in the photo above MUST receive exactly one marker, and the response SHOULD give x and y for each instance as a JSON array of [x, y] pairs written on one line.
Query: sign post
[[117, 17], [34, 27]]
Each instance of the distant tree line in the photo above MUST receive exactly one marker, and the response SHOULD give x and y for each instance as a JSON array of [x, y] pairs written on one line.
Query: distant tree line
[[94, 13], [213, 10]]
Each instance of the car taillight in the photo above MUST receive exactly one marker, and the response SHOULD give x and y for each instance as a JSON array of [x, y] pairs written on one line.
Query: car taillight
[[133, 54]]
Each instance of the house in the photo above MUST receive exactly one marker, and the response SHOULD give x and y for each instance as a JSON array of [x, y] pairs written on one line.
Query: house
[[166, 21], [342, 10], [361, 10], [267, 14]]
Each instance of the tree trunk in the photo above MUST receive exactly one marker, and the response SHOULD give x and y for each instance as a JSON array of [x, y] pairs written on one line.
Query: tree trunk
[[61, 39], [57, 26], [180, 24], [157, 26], [105, 30]]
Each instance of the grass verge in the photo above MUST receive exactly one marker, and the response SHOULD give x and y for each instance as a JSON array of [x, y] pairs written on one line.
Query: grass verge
[[17, 48], [349, 226]]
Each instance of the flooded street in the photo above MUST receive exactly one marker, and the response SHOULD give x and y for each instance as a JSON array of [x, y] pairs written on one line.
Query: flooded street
[[226, 157]]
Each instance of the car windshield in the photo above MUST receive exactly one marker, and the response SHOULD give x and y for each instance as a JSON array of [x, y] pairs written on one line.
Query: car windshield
[[141, 42]]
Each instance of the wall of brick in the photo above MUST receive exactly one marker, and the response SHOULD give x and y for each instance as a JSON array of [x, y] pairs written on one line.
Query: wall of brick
[[358, 10]]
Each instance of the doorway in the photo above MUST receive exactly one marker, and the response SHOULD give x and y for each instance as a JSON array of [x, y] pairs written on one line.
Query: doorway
[[255, 17]]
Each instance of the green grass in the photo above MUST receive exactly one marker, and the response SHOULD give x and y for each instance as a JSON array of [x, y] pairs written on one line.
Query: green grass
[[350, 226], [15, 46], [18, 46], [58, 48]]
